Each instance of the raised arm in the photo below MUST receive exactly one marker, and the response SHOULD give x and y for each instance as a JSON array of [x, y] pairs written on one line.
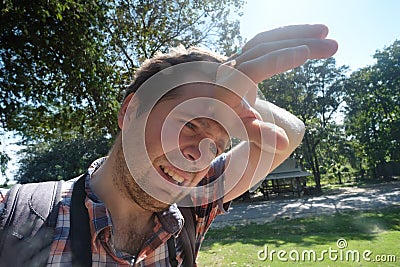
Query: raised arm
[[261, 161], [272, 132]]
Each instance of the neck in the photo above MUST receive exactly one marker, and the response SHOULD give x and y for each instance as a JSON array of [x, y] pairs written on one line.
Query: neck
[[122, 208]]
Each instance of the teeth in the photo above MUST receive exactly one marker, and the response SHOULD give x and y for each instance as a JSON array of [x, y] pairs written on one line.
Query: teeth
[[173, 175]]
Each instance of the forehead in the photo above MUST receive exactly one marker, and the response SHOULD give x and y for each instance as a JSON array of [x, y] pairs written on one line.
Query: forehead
[[201, 91], [191, 90], [195, 101]]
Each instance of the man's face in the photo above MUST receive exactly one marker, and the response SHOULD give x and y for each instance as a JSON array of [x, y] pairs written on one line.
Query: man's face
[[181, 140]]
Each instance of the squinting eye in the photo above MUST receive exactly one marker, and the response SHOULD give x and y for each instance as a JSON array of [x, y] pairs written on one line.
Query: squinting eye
[[213, 149], [190, 125]]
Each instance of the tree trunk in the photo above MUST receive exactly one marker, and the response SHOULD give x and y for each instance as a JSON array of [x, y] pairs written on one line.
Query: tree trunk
[[317, 174], [313, 162]]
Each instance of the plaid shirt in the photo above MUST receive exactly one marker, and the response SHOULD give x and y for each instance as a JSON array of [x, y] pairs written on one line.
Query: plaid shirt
[[155, 251]]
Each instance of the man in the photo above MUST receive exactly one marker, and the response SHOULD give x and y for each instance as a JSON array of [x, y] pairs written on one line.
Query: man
[[176, 122]]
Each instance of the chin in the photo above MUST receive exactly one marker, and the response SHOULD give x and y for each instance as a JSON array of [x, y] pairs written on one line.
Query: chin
[[151, 204]]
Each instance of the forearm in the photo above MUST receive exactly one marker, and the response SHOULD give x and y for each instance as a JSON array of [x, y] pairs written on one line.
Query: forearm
[[268, 144], [263, 158], [293, 127]]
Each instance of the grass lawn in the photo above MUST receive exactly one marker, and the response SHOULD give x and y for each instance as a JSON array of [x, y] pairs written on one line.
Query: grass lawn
[[347, 239]]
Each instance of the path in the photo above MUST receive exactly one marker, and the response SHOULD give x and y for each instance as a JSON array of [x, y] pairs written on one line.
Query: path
[[343, 199]]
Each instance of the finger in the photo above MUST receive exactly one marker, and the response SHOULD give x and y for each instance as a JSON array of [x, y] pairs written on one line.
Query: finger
[[314, 31], [319, 49], [273, 63], [244, 79]]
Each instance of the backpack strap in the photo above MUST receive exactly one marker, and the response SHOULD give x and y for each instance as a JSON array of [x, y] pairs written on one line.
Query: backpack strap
[[28, 222], [188, 236], [80, 228], [172, 252], [187, 239]]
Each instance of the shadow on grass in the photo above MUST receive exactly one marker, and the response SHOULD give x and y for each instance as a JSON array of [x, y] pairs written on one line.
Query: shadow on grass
[[360, 225]]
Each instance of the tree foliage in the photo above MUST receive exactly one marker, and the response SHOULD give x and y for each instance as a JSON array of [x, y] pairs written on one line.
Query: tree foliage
[[139, 29], [313, 92], [60, 160], [55, 76], [64, 65], [373, 108], [4, 159]]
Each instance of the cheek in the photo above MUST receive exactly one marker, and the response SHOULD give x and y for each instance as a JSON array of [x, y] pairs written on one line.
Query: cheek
[[170, 137], [152, 137], [162, 136]]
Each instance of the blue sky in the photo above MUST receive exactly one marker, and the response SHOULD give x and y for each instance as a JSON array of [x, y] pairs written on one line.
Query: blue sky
[[360, 26]]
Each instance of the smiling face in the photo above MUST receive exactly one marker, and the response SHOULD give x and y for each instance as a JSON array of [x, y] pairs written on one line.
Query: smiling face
[[181, 137], [181, 140]]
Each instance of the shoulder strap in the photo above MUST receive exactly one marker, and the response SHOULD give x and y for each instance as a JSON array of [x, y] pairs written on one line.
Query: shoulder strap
[[80, 227], [188, 236], [172, 252], [28, 222], [187, 239]]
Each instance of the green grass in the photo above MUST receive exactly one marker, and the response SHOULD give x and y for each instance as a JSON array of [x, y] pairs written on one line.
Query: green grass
[[376, 231]]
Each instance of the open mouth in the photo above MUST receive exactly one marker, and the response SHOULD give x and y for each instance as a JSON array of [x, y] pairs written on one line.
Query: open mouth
[[173, 177]]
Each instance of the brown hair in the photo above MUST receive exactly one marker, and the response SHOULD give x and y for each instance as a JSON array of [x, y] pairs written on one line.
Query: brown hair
[[161, 61]]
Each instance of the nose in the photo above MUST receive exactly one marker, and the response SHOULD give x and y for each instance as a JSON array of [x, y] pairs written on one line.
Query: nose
[[203, 151], [191, 152]]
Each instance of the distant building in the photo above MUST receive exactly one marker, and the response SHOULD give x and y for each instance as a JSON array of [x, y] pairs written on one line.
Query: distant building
[[287, 177]]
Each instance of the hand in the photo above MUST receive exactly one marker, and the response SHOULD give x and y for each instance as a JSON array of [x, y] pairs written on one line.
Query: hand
[[282, 49], [273, 52], [269, 53]]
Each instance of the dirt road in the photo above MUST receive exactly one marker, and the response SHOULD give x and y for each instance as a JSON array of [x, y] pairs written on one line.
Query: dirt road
[[340, 200]]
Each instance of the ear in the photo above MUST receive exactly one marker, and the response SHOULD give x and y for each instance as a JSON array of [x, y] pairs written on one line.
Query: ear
[[124, 109]]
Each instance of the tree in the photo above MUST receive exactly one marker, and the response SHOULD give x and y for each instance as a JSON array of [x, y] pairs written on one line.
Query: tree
[[4, 159], [63, 65], [141, 28], [314, 93], [373, 108], [55, 76], [60, 160]]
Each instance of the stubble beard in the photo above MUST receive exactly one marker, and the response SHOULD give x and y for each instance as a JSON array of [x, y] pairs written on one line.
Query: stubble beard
[[130, 189]]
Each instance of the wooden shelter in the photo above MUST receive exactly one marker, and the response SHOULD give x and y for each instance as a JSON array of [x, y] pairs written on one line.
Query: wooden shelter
[[286, 178]]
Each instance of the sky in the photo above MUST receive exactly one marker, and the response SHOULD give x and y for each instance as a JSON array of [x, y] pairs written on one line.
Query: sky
[[359, 26]]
